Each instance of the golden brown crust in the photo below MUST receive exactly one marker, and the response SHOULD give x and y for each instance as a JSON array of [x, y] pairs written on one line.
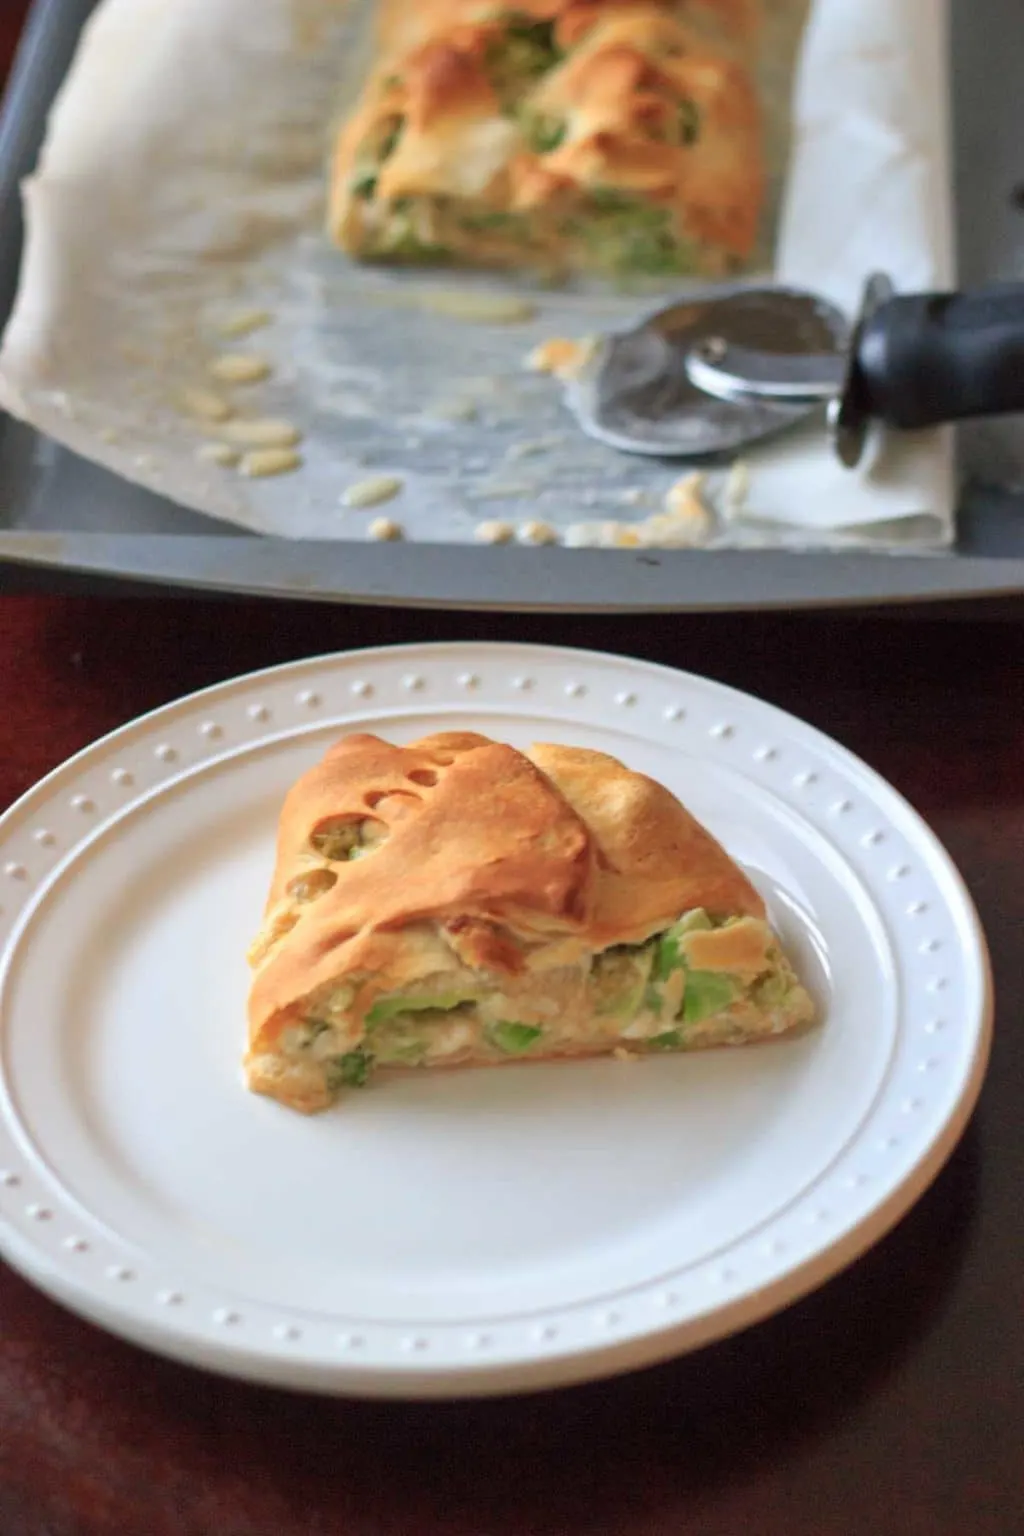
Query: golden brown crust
[[401, 26], [479, 854], [654, 860], [474, 830], [653, 102]]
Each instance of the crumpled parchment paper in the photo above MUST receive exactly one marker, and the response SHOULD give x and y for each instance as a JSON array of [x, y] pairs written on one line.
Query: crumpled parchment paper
[[174, 224]]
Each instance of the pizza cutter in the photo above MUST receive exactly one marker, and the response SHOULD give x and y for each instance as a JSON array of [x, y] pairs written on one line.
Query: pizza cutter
[[734, 364]]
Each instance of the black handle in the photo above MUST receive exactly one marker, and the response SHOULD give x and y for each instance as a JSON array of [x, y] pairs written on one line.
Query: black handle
[[931, 357]]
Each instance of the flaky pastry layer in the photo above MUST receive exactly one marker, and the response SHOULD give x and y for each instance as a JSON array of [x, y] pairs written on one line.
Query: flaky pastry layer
[[456, 901], [576, 135]]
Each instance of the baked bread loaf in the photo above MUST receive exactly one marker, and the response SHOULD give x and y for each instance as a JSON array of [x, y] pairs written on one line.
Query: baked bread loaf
[[615, 136], [458, 902]]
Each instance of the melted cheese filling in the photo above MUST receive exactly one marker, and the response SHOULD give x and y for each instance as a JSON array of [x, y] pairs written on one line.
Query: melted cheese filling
[[699, 982]]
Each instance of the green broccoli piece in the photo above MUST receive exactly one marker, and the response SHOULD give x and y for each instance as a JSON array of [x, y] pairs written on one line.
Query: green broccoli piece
[[513, 1039], [707, 993], [349, 1071]]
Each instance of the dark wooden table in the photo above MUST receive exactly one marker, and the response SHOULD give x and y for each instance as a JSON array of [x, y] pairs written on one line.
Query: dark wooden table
[[892, 1401]]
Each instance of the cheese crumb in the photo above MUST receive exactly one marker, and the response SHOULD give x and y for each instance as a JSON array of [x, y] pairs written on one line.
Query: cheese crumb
[[685, 523], [536, 532], [683, 499], [593, 535], [372, 491], [385, 530], [494, 532], [562, 356]]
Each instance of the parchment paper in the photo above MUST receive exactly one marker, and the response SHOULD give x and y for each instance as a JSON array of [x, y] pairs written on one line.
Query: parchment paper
[[182, 183]]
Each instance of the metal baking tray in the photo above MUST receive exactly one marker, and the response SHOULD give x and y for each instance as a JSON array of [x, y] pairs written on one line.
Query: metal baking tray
[[61, 515]]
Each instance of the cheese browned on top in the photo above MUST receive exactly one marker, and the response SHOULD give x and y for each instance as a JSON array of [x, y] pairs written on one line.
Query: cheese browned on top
[[572, 134]]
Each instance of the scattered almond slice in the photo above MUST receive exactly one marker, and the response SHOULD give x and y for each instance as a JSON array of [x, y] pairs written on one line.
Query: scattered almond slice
[[243, 322], [478, 306], [260, 432], [503, 490], [261, 463], [562, 356], [372, 491], [218, 453], [240, 368], [204, 405]]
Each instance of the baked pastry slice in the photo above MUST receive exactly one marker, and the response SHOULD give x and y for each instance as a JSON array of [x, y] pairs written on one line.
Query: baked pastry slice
[[457, 902], [615, 136]]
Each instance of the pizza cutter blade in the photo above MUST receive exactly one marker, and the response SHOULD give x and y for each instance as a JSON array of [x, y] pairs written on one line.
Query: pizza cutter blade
[[636, 393], [717, 372]]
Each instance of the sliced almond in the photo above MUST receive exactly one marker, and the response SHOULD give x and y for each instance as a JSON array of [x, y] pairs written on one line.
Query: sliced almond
[[218, 453], [243, 322], [204, 405], [240, 368], [371, 491], [260, 432], [479, 306], [261, 463]]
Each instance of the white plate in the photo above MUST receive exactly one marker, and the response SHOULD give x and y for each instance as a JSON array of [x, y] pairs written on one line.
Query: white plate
[[473, 1231]]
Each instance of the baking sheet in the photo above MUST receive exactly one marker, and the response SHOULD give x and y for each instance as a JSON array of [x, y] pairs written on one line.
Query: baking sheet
[[159, 213]]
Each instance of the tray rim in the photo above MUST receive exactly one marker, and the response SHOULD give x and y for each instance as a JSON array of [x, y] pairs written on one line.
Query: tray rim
[[439, 576], [458, 577]]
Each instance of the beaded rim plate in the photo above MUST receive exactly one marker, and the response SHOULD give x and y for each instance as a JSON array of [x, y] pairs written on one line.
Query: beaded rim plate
[[465, 1232]]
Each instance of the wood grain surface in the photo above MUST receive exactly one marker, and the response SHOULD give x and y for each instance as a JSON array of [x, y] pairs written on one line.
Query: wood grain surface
[[12, 15], [890, 1403]]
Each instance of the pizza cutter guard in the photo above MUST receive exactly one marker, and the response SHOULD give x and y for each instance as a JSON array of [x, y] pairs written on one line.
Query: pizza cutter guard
[[731, 365]]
